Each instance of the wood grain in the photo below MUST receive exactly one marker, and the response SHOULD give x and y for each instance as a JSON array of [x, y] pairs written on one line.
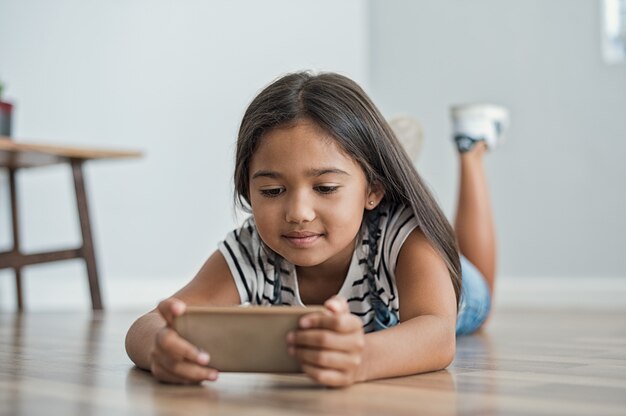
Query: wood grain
[[526, 362], [27, 154]]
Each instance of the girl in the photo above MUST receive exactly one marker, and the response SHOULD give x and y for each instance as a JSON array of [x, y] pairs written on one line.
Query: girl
[[340, 217]]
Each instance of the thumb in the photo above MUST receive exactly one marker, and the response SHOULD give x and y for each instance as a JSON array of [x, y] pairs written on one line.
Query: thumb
[[337, 304], [171, 308]]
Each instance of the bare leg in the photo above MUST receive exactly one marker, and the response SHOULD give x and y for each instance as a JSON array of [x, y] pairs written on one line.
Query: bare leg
[[474, 224]]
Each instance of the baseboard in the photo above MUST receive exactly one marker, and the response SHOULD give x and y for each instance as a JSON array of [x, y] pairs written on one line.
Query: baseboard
[[597, 293], [132, 293], [72, 293]]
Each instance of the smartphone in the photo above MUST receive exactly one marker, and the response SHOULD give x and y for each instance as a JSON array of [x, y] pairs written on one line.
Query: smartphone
[[244, 338]]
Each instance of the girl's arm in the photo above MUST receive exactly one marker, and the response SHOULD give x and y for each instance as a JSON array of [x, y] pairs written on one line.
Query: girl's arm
[[425, 340], [334, 351], [151, 343]]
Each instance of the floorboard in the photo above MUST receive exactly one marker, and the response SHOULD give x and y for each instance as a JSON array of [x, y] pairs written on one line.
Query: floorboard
[[535, 361]]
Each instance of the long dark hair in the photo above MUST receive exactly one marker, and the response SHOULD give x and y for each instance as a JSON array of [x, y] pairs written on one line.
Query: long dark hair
[[340, 107]]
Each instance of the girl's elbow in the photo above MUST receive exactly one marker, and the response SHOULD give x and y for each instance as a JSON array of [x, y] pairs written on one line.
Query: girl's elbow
[[448, 356], [447, 351]]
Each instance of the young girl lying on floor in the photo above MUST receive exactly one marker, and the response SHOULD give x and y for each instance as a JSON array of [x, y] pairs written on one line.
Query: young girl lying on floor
[[340, 217]]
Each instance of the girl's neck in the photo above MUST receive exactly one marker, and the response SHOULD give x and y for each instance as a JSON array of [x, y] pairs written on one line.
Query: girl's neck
[[320, 282]]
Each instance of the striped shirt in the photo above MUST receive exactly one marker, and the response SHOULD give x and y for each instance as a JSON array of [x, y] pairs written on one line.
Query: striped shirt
[[252, 265]]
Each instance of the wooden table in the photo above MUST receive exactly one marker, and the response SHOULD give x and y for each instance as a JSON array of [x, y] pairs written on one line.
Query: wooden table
[[528, 362], [16, 155]]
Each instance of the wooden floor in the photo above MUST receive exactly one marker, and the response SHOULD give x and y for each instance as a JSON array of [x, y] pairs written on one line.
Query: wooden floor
[[527, 362]]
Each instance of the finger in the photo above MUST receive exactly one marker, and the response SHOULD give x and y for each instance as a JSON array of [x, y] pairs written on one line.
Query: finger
[[328, 359], [337, 304], [327, 377], [171, 308], [163, 375], [324, 339], [188, 370], [342, 322], [182, 372], [334, 305], [173, 345], [184, 369]]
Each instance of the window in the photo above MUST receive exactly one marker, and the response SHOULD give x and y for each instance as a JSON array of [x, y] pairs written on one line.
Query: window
[[614, 31]]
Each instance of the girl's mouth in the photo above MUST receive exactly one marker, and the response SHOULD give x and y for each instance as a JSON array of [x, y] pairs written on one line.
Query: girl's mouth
[[302, 239]]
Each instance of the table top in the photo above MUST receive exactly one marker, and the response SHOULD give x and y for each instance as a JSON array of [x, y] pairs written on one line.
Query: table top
[[16, 153], [569, 363]]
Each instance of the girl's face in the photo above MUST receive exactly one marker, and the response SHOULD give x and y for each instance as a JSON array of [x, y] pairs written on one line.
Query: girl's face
[[307, 195]]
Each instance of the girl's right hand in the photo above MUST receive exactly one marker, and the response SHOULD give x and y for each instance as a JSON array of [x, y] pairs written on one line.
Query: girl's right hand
[[173, 359]]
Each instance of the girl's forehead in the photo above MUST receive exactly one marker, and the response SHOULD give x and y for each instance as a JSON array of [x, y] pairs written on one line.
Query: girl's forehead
[[300, 137], [302, 127], [303, 144]]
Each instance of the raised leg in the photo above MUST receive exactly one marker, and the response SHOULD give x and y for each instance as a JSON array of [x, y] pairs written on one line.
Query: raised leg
[[85, 226], [474, 223]]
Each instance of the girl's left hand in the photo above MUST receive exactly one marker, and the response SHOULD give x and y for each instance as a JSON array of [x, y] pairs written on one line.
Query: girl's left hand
[[329, 346]]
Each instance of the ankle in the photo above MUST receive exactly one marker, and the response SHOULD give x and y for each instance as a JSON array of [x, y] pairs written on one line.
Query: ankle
[[475, 153], [480, 149]]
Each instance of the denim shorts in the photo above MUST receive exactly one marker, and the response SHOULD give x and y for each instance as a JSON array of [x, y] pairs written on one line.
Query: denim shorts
[[474, 305], [475, 299]]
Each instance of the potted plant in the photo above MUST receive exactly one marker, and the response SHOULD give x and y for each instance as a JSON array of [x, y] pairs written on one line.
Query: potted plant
[[6, 109]]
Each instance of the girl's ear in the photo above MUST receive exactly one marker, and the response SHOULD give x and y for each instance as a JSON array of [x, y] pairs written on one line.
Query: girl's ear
[[374, 196]]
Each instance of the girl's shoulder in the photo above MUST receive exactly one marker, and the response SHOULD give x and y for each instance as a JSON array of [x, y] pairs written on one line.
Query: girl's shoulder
[[241, 241], [247, 228], [249, 263], [395, 224], [395, 217]]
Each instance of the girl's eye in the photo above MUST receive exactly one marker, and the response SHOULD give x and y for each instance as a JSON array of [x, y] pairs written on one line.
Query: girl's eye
[[326, 189], [272, 192]]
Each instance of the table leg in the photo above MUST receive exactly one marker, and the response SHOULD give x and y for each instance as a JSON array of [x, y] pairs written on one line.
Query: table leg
[[16, 238], [85, 226]]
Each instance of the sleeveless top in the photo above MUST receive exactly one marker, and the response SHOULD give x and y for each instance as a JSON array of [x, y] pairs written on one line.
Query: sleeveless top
[[373, 298]]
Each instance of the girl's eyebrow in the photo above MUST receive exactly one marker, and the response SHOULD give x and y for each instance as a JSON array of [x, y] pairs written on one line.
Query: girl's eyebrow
[[311, 172], [266, 174], [323, 171]]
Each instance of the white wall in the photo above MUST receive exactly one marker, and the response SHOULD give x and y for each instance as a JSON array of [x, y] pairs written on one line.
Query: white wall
[[558, 184], [170, 78]]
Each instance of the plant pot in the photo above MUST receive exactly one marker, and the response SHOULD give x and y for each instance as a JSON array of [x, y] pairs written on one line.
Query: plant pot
[[6, 110]]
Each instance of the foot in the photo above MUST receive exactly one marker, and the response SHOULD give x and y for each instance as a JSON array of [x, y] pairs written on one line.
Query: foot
[[409, 132], [475, 123]]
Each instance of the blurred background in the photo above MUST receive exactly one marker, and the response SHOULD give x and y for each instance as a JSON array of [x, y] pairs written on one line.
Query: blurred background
[[173, 78]]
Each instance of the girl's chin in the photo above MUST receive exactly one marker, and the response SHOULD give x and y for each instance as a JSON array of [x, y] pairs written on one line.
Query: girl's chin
[[302, 260]]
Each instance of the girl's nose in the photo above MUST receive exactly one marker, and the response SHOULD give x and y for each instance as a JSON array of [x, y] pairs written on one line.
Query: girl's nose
[[299, 209]]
